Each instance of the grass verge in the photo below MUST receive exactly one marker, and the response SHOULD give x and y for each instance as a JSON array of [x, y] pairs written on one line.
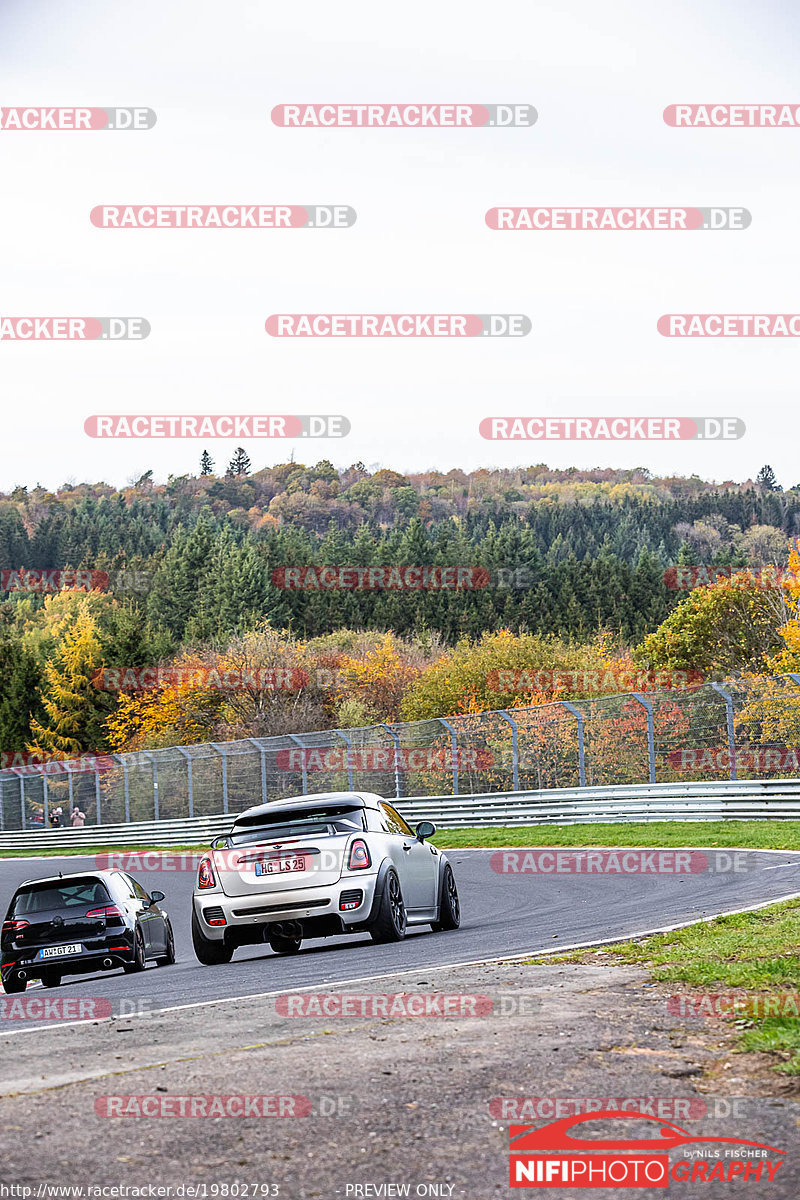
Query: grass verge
[[752, 956], [776, 835]]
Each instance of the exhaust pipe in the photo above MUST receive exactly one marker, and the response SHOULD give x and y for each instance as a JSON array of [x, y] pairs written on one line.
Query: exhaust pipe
[[107, 962], [22, 975]]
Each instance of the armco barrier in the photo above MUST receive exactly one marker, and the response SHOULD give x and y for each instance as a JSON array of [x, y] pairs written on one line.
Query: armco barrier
[[776, 799]]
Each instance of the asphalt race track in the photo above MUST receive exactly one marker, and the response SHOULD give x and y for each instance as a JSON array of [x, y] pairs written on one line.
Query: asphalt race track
[[502, 914]]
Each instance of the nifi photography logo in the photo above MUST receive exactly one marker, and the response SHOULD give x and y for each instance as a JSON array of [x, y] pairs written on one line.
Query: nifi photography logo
[[570, 1154]]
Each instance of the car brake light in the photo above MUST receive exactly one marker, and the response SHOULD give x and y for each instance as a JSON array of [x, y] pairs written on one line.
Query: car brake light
[[108, 910], [205, 875], [119, 947], [359, 856], [14, 926]]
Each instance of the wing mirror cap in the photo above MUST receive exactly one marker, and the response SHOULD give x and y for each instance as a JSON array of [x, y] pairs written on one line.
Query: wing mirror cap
[[425, 829]]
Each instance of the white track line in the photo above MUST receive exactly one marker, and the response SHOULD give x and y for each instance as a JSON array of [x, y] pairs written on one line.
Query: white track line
[[476, 962]]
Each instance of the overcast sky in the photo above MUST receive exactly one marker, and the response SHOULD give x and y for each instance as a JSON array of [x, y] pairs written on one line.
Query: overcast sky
[[598, 74]]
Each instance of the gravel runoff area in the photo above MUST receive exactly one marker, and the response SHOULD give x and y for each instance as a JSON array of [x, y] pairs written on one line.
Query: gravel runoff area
[[385, 1100]]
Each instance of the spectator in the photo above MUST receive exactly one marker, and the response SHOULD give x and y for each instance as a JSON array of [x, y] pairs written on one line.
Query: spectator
[[78, 817], [55, 817]]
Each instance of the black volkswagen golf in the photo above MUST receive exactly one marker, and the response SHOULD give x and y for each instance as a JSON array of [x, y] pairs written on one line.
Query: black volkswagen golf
[[87, 921]]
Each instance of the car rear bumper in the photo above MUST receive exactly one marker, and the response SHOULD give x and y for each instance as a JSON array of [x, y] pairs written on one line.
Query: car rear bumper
[[118, 949], [319, 910]]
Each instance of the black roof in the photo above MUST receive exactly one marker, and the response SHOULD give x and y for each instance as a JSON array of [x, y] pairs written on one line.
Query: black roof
[[335, 801]]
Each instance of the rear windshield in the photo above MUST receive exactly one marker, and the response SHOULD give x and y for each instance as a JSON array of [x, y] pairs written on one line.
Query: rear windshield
[[303, 823], [45, 897]]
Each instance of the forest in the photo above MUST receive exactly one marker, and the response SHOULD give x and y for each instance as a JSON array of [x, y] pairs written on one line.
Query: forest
[[418, 593]]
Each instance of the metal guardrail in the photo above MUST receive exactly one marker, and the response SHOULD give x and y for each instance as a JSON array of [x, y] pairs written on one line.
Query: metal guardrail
[[776, 799]]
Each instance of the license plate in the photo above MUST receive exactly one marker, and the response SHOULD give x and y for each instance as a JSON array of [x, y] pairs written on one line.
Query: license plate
[[280, 866], [60, 951]]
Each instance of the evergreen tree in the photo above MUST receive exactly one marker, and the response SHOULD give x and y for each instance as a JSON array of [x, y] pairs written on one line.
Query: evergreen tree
[[767, 480], [19, 696], [240, 464], [74, 707], [206, 464]]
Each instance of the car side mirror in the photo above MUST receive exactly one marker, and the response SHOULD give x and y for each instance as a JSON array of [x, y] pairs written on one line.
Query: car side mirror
[[157, 897], [425, 829]]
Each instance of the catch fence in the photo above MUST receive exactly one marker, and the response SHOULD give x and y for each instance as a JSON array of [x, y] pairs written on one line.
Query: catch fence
[[737, 730]]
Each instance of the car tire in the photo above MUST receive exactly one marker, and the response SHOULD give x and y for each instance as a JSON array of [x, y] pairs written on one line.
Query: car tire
[[390, 923], [449, 904], [139, 957], [166, 960], [14, 984], [51, 979], [210, 954], [285, 945]]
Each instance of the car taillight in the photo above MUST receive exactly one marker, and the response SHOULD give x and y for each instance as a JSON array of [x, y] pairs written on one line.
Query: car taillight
[[14, 926], [205, 875], [359, 856], [108, 910]]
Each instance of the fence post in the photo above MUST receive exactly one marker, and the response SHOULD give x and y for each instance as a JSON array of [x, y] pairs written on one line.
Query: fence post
[[501, 712], [396, 739], [218, 747], [303, 768], [453, 751], [728, 698], [97, 792], [156, 806], [576, 712], [71, 792], [22, 800], [46, 797], [127, 788], [263, 754], [2, 809], [349, 745], [651, 739]]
